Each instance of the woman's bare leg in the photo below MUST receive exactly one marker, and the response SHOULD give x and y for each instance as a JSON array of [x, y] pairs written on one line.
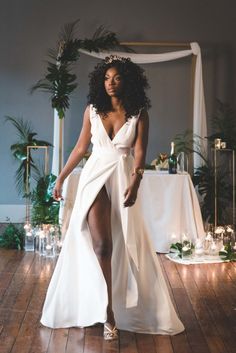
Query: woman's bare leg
[[99, 221]]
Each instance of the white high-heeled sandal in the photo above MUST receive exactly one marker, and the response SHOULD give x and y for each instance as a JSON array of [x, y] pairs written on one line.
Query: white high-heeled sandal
[[110, 334]]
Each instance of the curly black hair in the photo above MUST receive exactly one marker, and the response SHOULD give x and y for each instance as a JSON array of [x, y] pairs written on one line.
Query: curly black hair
[[133, 94]]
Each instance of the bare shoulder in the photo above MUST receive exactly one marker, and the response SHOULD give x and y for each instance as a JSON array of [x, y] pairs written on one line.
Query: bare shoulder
[[144, 115], [87, 112], [143, 120]]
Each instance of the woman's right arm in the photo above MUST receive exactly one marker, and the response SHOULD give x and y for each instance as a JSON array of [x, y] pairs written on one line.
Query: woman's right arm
[[76, 155]]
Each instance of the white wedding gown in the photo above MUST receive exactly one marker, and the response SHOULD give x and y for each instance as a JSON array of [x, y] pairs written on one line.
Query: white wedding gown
[[77, 294]]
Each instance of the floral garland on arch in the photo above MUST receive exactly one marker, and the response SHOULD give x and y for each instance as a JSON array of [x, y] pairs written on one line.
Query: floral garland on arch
[[60, 81]]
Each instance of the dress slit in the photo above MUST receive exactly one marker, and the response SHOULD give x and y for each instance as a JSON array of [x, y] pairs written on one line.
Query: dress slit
[[77, 295]]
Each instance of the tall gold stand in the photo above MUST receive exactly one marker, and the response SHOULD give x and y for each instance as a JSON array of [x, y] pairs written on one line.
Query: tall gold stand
[[217, 151]]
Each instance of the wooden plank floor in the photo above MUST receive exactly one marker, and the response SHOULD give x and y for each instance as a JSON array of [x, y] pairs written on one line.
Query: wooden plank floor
[[204, 296]]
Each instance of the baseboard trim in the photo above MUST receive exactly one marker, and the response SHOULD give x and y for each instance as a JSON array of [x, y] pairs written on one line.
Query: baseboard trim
[[12, 213]]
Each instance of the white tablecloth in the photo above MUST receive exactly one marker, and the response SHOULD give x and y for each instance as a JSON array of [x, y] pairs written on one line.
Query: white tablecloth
[[169, 202]]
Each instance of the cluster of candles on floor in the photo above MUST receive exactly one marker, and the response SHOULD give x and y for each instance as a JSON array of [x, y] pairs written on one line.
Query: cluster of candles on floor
[[44, 239], [211, 244]]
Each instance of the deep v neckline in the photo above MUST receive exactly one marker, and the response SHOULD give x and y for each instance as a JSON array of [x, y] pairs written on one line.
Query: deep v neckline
[[111, 139]]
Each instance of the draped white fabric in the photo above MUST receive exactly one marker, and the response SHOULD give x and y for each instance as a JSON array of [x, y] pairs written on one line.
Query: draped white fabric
[[141, 58], [199, 110]]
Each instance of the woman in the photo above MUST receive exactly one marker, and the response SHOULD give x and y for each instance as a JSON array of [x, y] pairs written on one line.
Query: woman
[[108, 271]]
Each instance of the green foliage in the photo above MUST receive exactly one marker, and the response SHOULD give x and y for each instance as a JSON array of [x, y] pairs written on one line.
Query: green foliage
[[189, 143], [228, 254], [59, 81], [150, 167], [19, 151], [102, 39], [224, 125], [44, 208], [204, 179], [178, 248], [12, 237]]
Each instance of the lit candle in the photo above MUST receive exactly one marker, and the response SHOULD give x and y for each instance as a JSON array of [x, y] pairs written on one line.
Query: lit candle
[[229, 229], [59, 244], [209, 236], [184, 237], [213, 246], [219, 230], [27, 226], [41, 234], [199, 251], [173, 237]]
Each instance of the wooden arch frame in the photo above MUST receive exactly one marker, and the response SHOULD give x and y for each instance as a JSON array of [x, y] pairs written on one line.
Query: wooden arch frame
[[170, 45]]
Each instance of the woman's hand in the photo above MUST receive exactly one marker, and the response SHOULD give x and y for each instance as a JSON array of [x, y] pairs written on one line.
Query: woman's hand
[[57, 191], [130, 195]]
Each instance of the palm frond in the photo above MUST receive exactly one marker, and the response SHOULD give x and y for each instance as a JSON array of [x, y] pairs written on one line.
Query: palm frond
[[34, 170], [21, 176], [19, 152], [189, 143], [101, 31], [204, 179], [70, 52], [19, 179], [68, 31], [42, 143], [43, 85], [102, 39], [105, 40], [52, 54], [67, 44], [224, 124], [23, 127], [58, 80]]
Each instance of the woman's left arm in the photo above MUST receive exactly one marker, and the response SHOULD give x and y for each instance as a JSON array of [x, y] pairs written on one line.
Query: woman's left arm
[[140, 147]]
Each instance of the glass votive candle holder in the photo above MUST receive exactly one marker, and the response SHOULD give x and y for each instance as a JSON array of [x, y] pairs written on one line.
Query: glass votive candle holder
[[29, 237], [199, 248], [58, 247], [207, 242], [42, 243], [217, 143], [49, 250], [213, 248], [186, 247]]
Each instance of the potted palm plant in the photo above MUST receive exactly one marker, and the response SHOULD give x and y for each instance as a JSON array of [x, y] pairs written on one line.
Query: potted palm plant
[[27, 137], [44, 208]]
